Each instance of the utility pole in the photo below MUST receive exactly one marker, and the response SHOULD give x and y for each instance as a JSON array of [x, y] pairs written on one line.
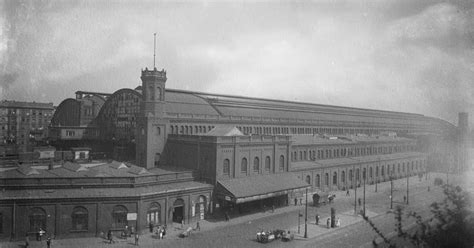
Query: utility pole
[[306, 216], [391, 192], [365, 178], [355, 189], [408, 177], [299, 215]]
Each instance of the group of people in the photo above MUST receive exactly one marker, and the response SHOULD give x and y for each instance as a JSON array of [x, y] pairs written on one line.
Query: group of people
[[328, 221], [158, 230], [127, 232], [39, 237]]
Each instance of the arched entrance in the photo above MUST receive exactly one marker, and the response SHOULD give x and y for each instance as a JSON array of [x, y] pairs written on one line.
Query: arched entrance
[[154, 214], [178, 211], [201, 207]]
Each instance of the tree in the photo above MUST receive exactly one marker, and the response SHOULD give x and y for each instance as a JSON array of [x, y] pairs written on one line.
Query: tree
[[451, 224]]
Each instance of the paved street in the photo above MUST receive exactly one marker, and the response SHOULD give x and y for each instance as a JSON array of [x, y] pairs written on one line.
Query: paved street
[[241, 232]]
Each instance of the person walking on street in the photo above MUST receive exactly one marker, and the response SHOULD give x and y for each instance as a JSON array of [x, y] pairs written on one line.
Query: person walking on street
[[27, 241], [136, 238], [317, 219], [296, 201], [404, 198], [48, 242], [41, 233], [348, 193], [338, 222], [328, 222], [198, 227]]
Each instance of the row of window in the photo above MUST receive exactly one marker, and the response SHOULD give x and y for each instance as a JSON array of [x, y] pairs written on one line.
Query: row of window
[[190, 129], [256, 165], [305, 130], [415, 166], [301, 155]]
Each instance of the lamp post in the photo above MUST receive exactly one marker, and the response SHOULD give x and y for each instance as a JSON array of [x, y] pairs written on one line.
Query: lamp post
[[408, 177], [306, 216], [391, 191], [365, 178], [355, 189], [299, 215]]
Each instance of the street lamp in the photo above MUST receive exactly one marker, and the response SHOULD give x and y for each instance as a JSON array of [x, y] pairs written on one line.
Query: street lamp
[[354, 184], [391, 191], [408, 177], [306, 216]]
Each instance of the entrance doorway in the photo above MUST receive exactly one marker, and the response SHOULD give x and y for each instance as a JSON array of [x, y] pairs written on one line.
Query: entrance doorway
[[178, 211]]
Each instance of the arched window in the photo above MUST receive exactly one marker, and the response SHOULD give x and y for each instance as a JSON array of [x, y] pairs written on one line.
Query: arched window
[[343, 176], [371, 174], [226, 167], [357, 174], [282, 163], [377, 171], [334, 178], [37, 217], [318, 181], [326, 179], [153, 215], [80, 218], [308, 179], [351, 176], [398, 168], [256, 164], [364, 174], [119, 215], [158, 94], [243, 165], [267, 163], [383, 170]]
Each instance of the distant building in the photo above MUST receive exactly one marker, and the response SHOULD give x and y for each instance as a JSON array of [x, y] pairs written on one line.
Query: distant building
[[23, 125]]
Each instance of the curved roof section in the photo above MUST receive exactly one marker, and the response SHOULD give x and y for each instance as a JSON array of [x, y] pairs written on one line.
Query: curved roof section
[[179, 101], [117, 117], [68, 113]]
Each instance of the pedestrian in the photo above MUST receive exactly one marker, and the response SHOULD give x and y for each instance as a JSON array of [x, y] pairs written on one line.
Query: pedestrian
[[404, 198], [48, 242], [198, 227], [41, 233], [136, 239], [160, 233], [164, 231], [328, 223], [348, 193], [227, 218], [317, 219], [338, 222], [296, 201], [109, 236], [360, 202], [27, 240]]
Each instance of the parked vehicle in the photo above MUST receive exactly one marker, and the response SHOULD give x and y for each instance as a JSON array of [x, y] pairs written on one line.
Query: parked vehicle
[[265, 236], [287, 236]]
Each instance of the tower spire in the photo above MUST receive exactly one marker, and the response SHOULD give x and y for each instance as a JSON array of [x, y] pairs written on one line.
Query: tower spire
[[154, 50]]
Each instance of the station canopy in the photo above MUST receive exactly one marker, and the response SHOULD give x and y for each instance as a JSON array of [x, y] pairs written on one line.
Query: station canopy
[[253, 188]]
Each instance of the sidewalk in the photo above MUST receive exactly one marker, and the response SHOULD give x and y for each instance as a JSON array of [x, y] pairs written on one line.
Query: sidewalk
[[347, 218]]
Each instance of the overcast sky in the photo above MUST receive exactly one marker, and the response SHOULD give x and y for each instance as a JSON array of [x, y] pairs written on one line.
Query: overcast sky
[[401, 55]]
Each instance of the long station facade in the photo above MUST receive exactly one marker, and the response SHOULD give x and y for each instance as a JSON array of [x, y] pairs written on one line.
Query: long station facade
[[187, 155]]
